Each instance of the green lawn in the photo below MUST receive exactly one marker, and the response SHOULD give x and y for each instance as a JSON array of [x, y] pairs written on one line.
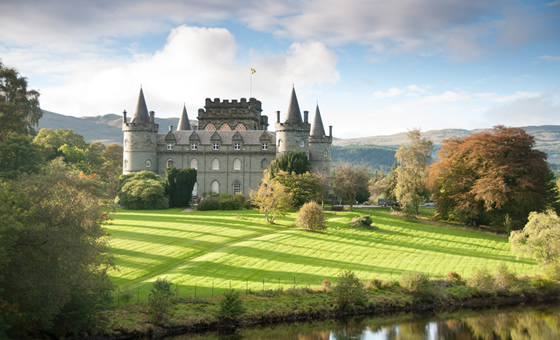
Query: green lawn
[[218, 248]]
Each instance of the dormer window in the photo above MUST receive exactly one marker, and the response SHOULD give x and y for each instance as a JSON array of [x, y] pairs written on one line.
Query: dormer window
[[237, 146], [265, 146], [169, 146], [215, 146], [194, 146]]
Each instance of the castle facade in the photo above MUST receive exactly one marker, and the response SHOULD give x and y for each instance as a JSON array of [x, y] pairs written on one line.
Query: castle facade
[[229, 147]]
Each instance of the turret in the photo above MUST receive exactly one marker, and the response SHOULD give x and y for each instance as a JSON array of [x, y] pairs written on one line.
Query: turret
[[184, 123], [320, 145], [139, 152], [293, 134]]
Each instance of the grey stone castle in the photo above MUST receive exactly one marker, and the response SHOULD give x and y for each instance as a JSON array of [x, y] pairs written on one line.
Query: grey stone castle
[[229, 147]]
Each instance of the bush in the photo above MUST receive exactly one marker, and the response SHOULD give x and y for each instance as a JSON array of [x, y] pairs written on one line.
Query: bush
[[482, 280], [375, 284], [224, 202], [310, 217], [454, 279], [159, 299], [543, 283], [552, 271], [143, 193], [415, 283], [361, 222], [348, 290], [124, 296], [327, 285], [504, 280], [208, 204], [231, 305]]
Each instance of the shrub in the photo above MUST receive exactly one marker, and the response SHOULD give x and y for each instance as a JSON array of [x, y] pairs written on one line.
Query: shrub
[[159, 299], [543, 283], [415, 283], [348, 290], [482, 280], [124, 296], [310, 217], [231, 305], [375, 284], [224, 202], [504, 279], [361, 222], [552, 271], [208, 204], [327, 285], [454, 279]]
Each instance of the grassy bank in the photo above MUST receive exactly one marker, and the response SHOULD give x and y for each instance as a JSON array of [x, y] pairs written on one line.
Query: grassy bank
[[206, 252]]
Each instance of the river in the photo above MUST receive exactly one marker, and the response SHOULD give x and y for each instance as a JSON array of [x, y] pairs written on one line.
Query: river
[[514, 323]]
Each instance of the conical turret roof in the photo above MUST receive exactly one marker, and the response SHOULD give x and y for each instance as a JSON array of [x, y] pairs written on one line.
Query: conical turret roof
[[184, 123], [141, 113], [317, 129], [294, 114]]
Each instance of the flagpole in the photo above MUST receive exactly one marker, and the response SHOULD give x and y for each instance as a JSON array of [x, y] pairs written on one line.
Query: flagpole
[[251, 82]]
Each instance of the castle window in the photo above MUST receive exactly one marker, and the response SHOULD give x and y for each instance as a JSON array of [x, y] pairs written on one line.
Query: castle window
[[225, 127], [215, 146], [195, 190], [194, 146], [148, 163], [326, 154], [279, 143], [236, 187], [302, 144], [215, 164], [126, 142], [237, 146], [240, 127], [169, 146], [215, 187], [210, 127], [125, 164], [265, 146], [169, 163], [264, 164], [194, 164], [237, 165]]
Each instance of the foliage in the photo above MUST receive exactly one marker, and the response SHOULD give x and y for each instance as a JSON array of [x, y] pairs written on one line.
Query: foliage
[[304, 187], [142, 190], [224, 202], [18, 155], [375, 156], [504, 279], [363, 221], [454, 279], [415, 283], [180, 184], [159, 299], [53, 252], [310, 217], [543, 283], [297, 162], [323, 184], [482, 280], [349, 180], [272, 198], [348, 291], [50, 141], [540, 238], [326, 285], [410, 189], [111, 169], [19, 106], [491, 178], [231, 305]]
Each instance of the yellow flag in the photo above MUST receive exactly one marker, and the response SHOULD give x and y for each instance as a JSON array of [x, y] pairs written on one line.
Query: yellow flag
[[253, 70]]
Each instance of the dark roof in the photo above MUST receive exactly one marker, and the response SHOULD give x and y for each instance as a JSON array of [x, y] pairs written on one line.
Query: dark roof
[[184, 123], [249, 136], [294, 115], [317, 129], [141, 113]]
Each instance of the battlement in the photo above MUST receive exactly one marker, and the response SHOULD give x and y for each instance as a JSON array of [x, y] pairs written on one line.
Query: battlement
[[242, 104]]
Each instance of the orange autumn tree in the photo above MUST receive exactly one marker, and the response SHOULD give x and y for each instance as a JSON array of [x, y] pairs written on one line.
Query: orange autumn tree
[[494, 178]]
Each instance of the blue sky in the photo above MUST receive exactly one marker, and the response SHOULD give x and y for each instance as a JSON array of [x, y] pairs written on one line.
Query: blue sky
[[373, 67]]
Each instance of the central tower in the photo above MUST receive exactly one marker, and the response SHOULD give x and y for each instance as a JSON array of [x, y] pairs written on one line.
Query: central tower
[[293, 134]]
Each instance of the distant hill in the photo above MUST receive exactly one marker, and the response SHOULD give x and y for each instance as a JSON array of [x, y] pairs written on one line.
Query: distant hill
[[107, 129]]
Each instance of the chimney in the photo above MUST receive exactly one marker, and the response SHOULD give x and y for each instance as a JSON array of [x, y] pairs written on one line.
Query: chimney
[[330, 131], [170, 128], [305, 117], [152, 113], [278, 116], [124, 116]]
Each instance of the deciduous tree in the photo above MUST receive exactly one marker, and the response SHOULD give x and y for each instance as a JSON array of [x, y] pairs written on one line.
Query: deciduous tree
[[272, 198], [19, 155], [349, 180], [304, 187]]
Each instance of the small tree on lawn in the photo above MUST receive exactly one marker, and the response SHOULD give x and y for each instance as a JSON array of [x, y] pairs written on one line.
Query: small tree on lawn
[[271, 198], [349, 181], [348, 290], [310, 217]]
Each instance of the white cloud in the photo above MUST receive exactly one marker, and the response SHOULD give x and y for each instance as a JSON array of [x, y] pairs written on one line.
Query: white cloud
[[447, 96], [392, 92], [494, 97], [549, 58], [540, 109]]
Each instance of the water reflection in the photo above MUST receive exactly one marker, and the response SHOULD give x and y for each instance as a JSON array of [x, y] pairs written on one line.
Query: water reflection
[[519, 323]]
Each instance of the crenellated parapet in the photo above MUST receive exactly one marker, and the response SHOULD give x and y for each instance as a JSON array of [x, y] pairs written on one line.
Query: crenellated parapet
[[232, 114]]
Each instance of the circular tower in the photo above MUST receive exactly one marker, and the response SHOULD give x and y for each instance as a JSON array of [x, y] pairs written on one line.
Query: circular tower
[[293, 134], [320, 145]]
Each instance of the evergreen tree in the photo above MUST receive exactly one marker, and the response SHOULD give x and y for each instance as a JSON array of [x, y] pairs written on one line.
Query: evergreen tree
[[296, 162]]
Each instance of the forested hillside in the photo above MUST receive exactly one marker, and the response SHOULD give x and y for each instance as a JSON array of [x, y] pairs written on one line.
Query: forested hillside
[[374, 156]]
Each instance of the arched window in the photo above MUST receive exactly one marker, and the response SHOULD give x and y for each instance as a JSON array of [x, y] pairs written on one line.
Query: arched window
[[279, 143], [169, 163], [326, 154], [215, 164], [210, 127], [240, 127], [264, 164], [236, 187], [215, 187], [236, 164], [125, 164], [125, 143], [225, 127], [194, 164], [302, 144], [148, 163], [195, 190]]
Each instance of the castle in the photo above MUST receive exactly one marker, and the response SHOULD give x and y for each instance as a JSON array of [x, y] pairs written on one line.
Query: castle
[[230, 147]]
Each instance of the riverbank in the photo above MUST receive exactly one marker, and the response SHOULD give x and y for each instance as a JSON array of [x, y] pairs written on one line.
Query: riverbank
[[195, 315]]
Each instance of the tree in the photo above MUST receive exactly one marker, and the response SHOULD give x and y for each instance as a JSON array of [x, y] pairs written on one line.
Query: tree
[[111, 169], [53, 253], [410, 189], [349, 180], [19, 107], [142, 190], [310, 217], [19, 155], [51, 140], [493, 178], [348, 290], [297, 162], [324, 184], [272, 198], [180, 184], [304, 187], [540, 238]]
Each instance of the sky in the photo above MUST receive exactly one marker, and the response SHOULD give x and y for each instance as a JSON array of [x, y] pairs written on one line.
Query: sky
[[374, 67]]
